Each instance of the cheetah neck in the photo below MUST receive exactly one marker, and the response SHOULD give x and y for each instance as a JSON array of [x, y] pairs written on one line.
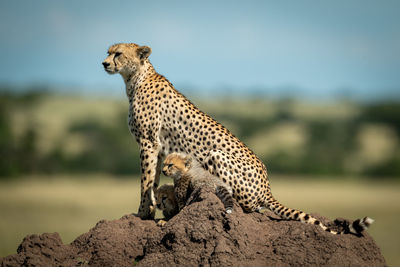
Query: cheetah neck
[[196, 171], [136, 78]]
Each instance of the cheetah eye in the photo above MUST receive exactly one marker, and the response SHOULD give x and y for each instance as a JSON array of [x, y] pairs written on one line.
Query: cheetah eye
[[170, 165], [117, 54], [164, 198]]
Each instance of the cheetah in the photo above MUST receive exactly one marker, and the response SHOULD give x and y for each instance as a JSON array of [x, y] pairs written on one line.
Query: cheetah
[[162, 120], [189, 176], [166, 201]]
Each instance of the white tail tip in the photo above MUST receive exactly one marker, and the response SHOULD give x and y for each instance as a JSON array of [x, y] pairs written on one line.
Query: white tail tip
[[368, 221]]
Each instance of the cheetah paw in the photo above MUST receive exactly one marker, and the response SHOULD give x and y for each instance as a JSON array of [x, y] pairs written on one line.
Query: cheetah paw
[[161, 223]]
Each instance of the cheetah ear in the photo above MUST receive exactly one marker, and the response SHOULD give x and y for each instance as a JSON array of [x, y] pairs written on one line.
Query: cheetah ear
[[143, 52], [188, 161]]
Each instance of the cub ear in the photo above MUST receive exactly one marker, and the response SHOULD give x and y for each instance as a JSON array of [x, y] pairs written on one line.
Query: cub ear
[[188, 161], [143, 52]]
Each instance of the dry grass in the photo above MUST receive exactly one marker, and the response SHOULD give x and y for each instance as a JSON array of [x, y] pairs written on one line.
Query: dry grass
[[69, 207], [72, 206]]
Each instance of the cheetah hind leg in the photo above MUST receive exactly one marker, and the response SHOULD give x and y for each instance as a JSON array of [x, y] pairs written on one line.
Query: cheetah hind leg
[[227, 166], [238, 174], [261, 209], [226, 197]]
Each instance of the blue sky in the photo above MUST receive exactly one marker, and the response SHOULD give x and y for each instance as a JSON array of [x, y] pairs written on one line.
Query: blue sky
[[303, 47]]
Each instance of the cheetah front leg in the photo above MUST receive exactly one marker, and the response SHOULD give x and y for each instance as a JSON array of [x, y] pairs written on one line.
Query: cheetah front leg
[[158, 171], [151, 168]]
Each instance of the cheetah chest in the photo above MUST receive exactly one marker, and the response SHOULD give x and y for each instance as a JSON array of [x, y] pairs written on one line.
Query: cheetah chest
[[138, 127], [132, 121]]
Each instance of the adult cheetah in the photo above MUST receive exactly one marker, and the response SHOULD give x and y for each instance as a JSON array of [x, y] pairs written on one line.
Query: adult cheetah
[[164, 121]]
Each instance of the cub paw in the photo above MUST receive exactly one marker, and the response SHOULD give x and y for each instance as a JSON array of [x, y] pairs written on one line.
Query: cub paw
[[161, 223]]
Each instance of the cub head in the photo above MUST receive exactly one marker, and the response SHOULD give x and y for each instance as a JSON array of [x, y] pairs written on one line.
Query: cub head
[[177, 164], [126, 59], [165, 197]]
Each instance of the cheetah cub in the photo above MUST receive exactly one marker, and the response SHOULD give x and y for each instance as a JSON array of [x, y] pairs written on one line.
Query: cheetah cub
[[189, 175], [166, 202]]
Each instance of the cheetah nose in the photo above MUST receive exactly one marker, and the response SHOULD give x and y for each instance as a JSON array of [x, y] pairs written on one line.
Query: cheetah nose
[[105, 64]]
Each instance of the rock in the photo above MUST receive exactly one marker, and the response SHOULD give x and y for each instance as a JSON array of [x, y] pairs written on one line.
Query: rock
[[202, 234]]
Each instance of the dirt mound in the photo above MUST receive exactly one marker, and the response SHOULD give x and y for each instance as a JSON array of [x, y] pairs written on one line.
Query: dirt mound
[[201, 234]]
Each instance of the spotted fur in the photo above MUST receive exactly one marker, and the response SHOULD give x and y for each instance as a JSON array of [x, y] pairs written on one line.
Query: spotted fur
[[166, 201], [189, 176], [163, 121]]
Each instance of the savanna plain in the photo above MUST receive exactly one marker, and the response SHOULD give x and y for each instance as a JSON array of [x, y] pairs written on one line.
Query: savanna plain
[[68, 161], [72, 206]]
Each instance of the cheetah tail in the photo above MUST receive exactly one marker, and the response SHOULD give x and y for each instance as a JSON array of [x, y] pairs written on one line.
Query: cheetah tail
[[355, 227], [226, 197]]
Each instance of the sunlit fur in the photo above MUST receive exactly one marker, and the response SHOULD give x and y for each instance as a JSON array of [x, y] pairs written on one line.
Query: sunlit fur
[[162, 121], [188, 174], [127, 59]]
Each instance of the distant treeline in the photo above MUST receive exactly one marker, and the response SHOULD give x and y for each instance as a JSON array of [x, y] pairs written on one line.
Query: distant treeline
[[109, 149], [327, 149]]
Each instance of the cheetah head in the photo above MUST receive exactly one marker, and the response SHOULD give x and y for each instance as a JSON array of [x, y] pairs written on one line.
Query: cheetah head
[[126, 59], [176, 164], [165, 197]]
